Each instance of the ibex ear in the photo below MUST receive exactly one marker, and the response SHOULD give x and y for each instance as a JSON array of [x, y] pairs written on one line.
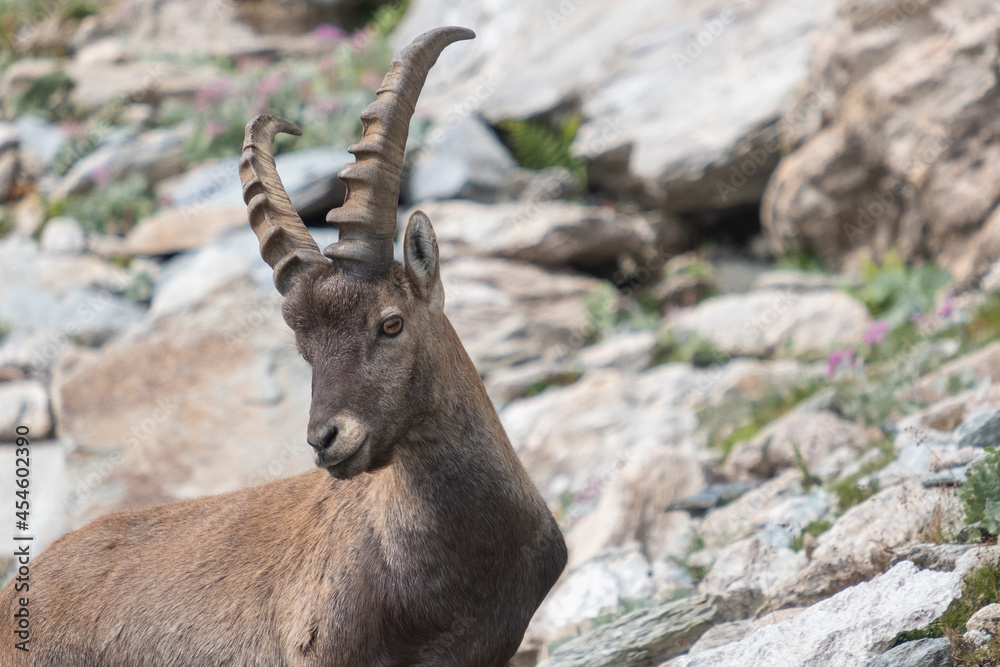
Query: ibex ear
[[420, 250]]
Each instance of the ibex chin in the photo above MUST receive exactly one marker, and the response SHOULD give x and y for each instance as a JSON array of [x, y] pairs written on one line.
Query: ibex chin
[[419, 540]]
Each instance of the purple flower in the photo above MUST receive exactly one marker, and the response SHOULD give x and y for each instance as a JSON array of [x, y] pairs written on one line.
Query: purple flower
[[328, 33], [876, 333], [947, 307], [270, 84], [838, 357], [101, 175], [211, 94], [325, 105]]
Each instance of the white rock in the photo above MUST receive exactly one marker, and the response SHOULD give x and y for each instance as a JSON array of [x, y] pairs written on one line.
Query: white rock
[[668, 88], [600, 586], [768, 322], [459, 160], [63, 236], [846, 629], [543, 232]]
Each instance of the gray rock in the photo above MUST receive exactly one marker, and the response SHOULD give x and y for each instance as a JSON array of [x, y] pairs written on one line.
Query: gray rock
[[62, 296], [981, 429], [942, 557], [676, 97], [170, 230], [510, 313], [604, 495], [733, 631], [154, 154], [846, 629], [9, 165], [862, 540], [921, 653], [599, 587], [820, 440], [748, 572], [767, 505], [643, 638], [987, 618], [712, 496], [769, 322], [947, 477], [309, 177], [899, 171], [626, 351], [462, 160], [24, 403], [204, 399], [39, 141], [543, 232], [63, 236]]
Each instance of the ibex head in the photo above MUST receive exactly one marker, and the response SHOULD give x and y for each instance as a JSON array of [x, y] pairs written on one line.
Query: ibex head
[[370, 327]]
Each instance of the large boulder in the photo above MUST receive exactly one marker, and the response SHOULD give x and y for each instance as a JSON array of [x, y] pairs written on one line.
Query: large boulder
[[903, 149], [677, 96], [553, 233], [611, 451], [767, 322]]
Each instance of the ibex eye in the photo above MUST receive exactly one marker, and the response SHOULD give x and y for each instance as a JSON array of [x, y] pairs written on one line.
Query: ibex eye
[[392, 326]]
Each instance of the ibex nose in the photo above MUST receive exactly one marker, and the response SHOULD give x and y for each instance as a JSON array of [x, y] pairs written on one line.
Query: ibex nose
[[321, 439]]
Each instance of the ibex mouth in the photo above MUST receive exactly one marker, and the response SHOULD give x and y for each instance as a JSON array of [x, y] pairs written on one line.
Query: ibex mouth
[[342, 464]]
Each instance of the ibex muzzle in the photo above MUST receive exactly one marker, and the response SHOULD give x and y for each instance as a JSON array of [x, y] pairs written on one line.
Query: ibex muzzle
[[420, 541]]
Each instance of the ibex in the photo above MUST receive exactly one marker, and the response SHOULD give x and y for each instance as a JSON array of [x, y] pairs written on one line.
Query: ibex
[[419, 540]]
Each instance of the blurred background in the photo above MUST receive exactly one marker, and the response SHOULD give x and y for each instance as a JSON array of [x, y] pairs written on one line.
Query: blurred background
[[726, 268]]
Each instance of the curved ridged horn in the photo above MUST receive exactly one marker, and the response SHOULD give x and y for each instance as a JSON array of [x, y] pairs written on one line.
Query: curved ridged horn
[[285, 243], [367, 220]]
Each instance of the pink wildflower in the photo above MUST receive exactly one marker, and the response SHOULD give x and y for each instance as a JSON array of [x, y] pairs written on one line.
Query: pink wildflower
[[328, 33], [101, 175], [947, 307], [838, 358], [211, 94], [876, 333]]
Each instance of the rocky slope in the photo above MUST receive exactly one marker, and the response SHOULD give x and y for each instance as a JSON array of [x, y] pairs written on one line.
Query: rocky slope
[[751, 463]]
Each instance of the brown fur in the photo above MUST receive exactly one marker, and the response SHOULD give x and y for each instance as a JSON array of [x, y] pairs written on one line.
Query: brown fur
[[428, 546]]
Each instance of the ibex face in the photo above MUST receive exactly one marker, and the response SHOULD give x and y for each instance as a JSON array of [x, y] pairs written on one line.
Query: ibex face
[[362, 321], [370, 344]]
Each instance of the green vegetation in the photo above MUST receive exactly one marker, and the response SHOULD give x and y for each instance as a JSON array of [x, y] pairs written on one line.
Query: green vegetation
[[895, 292], [4, 330], [6, 221], [850, 491], [980, 495], [47, 96], [672, 346], [18, 16], [801, 261], [609, 311], [113, 209], [981, 587], [537, 145], [737, 418], [322, 97], [815, 528]]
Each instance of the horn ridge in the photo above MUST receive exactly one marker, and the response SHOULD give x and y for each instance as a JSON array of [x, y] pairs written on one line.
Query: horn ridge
[[285, 242], [367, 220]]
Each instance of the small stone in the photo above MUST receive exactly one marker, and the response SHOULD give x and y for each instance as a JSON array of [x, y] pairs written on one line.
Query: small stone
[[981, 429], [987, 618], [921, 653], [63, 236]]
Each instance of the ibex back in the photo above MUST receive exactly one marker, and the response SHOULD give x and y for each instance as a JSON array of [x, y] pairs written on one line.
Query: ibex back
[[419, 540]]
